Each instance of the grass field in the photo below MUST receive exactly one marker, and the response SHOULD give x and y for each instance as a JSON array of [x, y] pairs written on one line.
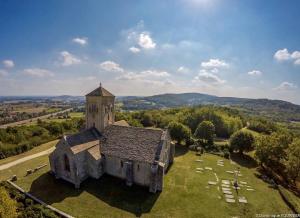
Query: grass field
[[76, 114], [55, 119], [185, 194]]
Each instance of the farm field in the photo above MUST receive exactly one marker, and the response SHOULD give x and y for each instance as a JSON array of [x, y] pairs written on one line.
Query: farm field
[[186, 193], [59, 120]]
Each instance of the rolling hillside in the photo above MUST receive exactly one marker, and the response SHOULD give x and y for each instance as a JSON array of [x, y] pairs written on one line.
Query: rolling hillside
[[276, 109]]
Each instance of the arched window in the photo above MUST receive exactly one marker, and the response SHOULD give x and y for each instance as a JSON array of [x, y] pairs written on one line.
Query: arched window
[[67, 163]]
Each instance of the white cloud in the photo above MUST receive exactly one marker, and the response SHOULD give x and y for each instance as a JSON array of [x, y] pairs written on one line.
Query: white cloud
[[134, 49], [8, 63], [3, 73], [297, 62], [255, 73], [208, 78], [282, 55], [145, 41], [81, 41], [285, 55], [38, 72], [148, 74], [214, 63], [111, 66], [69, 59], [285, 86], [295, 55], [183, 69]]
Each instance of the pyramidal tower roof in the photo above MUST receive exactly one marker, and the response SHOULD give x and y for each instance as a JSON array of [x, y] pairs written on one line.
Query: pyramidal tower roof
[[100, 91]]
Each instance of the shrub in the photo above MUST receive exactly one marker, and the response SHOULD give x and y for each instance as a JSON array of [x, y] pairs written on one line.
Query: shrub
[[205, 131], [242, 141], [179, 132]]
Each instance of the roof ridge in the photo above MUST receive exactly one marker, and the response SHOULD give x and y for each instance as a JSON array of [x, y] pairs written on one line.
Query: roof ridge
[[136, 127], [100, 91]]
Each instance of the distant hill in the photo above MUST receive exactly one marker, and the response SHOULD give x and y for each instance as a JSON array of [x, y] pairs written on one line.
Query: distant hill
[[63, 98], [275, 109]]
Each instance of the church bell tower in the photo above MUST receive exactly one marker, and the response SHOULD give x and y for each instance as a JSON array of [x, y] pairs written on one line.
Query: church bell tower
[[100, 109]]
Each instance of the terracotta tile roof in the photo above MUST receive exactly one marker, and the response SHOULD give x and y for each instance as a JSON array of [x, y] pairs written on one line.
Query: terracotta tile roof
[[100, 91], [131, 143]]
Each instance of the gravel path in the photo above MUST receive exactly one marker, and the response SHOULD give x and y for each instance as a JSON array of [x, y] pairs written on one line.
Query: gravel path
[[21, 160]]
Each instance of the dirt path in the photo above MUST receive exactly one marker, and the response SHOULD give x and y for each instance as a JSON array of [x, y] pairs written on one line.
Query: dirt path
[[22, 122], [21, 160]]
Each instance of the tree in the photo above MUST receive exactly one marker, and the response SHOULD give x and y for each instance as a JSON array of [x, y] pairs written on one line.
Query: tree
[[7, 205], [206, 132], [242, 141], [270, 150], [179, 132], [146, 119], [293, 160]]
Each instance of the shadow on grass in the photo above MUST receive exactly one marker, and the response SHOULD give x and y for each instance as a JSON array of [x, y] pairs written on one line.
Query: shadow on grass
[[180, 150], [243, 160], [111, 190]]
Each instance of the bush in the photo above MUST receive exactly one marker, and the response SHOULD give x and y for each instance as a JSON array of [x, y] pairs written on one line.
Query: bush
[[26, 207], [205, 131], [179, 132], [242, 141], [226, 154]]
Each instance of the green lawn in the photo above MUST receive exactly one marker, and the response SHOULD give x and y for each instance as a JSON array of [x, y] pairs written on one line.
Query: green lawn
[[185, 192], [20, 169], [76, 114]]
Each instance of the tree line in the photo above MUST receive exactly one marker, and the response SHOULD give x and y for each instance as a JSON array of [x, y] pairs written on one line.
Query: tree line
[[16, 140]]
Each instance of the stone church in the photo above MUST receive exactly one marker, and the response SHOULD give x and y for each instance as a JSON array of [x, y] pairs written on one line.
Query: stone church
[[136, 155]]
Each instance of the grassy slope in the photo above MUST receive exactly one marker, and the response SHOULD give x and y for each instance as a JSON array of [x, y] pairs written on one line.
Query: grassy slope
[[184, 195], [35, 150]]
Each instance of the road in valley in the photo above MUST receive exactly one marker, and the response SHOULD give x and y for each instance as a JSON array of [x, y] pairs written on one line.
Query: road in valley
[[22, 122]]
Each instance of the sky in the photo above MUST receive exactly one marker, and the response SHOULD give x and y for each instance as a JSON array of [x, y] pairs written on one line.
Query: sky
[[248, 48]]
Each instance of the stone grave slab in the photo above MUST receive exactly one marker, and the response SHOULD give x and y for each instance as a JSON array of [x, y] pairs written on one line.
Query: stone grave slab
[[229, 200], [227, 192], [229, 196], [226, 182], [226, 189], [212, 183]]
